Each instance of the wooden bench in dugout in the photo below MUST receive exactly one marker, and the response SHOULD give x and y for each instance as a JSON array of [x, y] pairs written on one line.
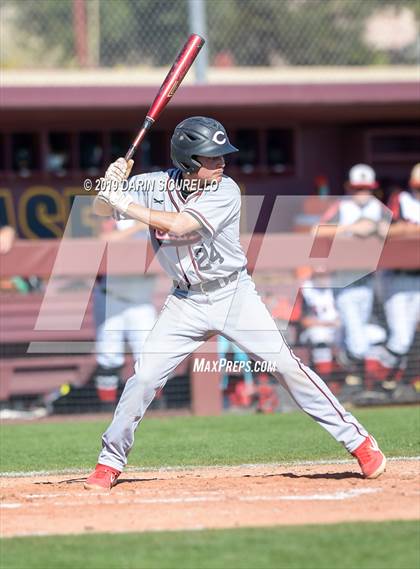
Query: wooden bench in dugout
[[23, 373]]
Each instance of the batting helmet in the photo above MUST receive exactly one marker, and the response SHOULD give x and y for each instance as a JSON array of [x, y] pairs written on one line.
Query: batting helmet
[[198, 136]]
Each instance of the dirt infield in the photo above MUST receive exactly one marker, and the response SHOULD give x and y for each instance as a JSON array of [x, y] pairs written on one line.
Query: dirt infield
[[209, 498]]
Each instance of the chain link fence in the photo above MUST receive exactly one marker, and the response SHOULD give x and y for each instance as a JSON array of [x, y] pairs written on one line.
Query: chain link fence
[[74, 34]]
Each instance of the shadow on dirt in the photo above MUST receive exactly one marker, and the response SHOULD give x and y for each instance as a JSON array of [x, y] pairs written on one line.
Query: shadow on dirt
[[324, 476], [83, 479], [317, 476]]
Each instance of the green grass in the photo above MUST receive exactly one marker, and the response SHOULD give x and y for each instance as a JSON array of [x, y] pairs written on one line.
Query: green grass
[[179, 441], [347, 546], [210, 441]]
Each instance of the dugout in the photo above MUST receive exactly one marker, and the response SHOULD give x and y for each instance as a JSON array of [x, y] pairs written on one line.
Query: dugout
[[295, 134], [300, 131]]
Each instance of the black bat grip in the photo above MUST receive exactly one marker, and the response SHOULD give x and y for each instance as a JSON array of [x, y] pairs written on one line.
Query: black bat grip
[[148, 122]]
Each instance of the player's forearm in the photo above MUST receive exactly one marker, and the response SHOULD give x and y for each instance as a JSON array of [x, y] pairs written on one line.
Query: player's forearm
[[329, 230], [100, 207], [404, 229], [309, 321], [161, 220], [176, 223], [121, 235]]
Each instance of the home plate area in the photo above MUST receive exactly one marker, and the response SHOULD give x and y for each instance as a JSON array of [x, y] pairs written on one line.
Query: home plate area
[[217, 497]]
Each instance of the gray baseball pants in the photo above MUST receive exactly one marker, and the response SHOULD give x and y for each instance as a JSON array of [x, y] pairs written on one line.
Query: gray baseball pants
[[237, 312]]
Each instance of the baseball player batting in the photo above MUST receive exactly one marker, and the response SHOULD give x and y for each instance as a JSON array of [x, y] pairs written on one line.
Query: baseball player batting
[[193, 211]]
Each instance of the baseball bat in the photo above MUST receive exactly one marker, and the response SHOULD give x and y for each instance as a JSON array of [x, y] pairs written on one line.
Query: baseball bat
[[170, 84]]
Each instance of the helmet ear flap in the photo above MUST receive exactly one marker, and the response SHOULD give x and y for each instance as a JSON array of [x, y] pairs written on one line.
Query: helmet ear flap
[[195, 161], [194, 166]]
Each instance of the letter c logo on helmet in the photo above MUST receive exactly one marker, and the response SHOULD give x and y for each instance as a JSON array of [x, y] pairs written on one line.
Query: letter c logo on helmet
[[219, 137]]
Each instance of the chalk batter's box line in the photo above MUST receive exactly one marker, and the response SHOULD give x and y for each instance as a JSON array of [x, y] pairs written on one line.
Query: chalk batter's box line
[[134, 469]]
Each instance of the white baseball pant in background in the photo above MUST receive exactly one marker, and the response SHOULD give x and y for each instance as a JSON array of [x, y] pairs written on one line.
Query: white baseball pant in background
[[119, 320], [402, 309], [354, 304]]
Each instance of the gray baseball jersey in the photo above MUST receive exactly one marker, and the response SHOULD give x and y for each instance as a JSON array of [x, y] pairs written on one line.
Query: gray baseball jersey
[[212, 252]]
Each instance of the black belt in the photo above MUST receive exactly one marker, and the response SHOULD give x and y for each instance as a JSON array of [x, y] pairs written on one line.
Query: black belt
[[208, 286]]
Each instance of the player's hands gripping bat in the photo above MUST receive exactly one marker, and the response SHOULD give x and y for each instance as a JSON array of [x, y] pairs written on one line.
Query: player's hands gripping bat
[[119, 170], [170, 84], [112, 190]]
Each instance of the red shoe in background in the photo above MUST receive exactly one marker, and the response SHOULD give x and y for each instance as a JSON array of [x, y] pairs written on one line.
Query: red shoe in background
[[102, 478], [371, 459]]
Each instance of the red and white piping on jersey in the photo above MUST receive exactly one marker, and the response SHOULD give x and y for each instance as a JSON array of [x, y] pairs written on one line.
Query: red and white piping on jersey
[[196, 214], [177, 250], [187, 280], [180, 196], [194, 195], [201, 218], [178, 178], [194, 262]]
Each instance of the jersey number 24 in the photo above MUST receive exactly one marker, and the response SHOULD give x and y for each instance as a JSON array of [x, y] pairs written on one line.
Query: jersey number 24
[[206, 256]]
